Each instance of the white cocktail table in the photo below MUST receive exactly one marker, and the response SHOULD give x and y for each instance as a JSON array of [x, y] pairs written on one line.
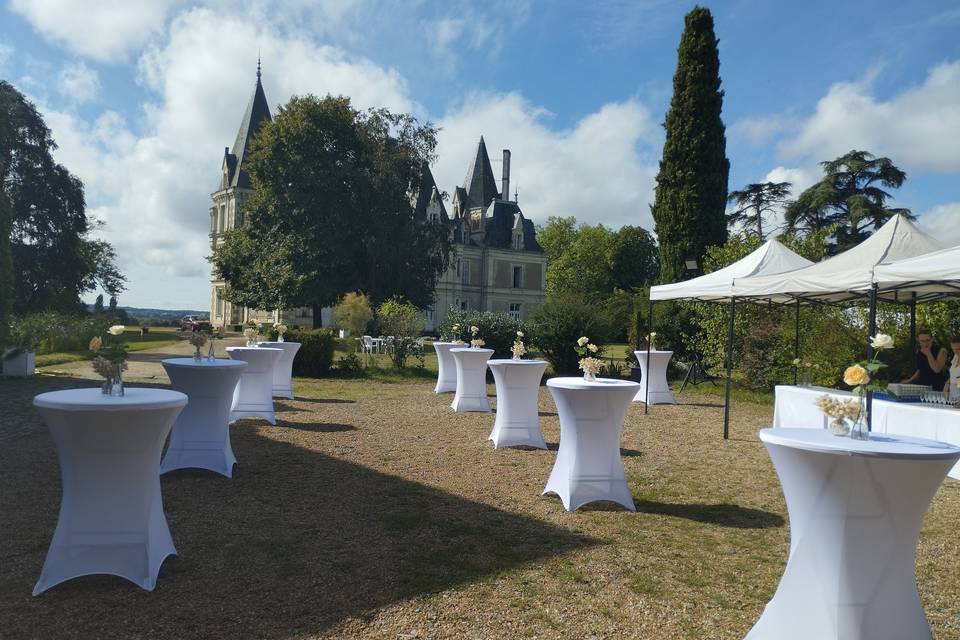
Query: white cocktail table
[[200, 437], [446, 367], [518, 417], [283, 369], [855, 508], [111, 514], [659, 390], [253, 395], [588, 465], [471, 379]]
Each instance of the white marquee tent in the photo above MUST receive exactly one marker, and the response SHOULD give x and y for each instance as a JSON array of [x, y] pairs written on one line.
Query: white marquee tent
[[927, 277]]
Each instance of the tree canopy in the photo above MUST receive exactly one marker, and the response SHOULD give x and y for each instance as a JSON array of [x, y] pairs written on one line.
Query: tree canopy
[[851, 196], [334, 210], [53, 258], [756, 201], [691, 193]]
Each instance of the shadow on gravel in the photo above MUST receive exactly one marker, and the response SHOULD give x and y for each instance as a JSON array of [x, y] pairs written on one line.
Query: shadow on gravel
[[320, 427], [724, 515]]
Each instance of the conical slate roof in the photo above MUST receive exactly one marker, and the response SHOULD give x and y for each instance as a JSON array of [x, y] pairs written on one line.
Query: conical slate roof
[[480, 183], [258, 111]]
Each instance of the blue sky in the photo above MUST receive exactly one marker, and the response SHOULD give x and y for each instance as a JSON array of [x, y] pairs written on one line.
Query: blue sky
[[143, 98]]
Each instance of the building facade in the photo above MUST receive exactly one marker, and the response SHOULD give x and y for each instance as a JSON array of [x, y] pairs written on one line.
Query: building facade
[[496, 263]]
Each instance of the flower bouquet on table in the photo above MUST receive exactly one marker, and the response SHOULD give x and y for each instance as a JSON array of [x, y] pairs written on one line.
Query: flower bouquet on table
[[216, 333], [805, 370], [110, 359], [860, 376], [476, 341], [589, 363], [197, 339], [650, 337], [518, 349], [281, 329]]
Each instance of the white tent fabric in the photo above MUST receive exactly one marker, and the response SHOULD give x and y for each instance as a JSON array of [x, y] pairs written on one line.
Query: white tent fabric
[[846, 276], [771, 258], [928, 276]]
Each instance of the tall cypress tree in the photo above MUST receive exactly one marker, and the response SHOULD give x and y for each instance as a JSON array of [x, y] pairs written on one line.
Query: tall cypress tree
[[6, 268], [691, 191]]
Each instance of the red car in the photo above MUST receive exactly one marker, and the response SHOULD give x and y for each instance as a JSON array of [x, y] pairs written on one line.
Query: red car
[[193, 323]]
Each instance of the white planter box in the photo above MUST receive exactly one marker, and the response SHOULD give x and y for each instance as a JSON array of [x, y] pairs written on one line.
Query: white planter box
[[21, 365]]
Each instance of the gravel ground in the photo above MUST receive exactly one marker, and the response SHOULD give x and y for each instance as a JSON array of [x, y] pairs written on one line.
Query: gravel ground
[[374, 511]]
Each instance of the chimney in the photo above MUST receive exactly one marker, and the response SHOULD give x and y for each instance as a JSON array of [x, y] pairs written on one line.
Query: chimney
[[505, 182]]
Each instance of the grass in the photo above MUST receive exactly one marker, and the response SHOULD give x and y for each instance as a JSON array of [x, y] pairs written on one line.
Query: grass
[[373, 511], [156, 338]]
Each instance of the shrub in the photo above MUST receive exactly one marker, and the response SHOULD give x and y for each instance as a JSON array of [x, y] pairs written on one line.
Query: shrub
[[350, 364], [51, 332], [497, 330], [403, 321], [556, 325], [316, 351], [353, 313]]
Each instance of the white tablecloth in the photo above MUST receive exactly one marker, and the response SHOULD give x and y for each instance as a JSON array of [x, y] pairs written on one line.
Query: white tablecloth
[[855, 509], [200, 438], [588, 465], [283, 368], [659, 391], [795, 408], [446, 367], [111, 514], [253, 396], [518, 389], [471, 379]]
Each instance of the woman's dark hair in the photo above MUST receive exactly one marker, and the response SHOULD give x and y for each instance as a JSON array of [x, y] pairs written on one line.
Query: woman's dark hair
[[921, 332]]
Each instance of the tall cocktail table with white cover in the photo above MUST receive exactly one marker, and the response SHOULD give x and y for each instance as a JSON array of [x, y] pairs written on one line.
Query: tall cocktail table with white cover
[[588, 465], [518, 389], [446, 367], [855, 508], [200, 437], [471, 379], [658, 391], [283, 369], [111, 514], [253, 395]]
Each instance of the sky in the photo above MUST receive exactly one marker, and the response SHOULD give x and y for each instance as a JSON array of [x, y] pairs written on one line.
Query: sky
[[142, 98]]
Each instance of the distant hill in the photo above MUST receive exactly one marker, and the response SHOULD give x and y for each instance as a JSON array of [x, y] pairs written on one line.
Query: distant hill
[[158, 317]]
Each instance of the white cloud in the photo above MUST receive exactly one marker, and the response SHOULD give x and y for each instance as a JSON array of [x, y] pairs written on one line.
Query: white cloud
[[6, 54], [601, 170], [78, 83], [943, 223], [758, 131], [104, 30], [916, 128]]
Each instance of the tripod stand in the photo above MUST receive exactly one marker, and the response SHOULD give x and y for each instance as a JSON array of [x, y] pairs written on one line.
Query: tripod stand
[[697, 373]]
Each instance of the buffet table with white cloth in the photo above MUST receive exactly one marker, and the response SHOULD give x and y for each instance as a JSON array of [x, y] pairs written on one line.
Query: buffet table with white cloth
[[856, 508], [253, 395], [283, 368], [446, 367], [588, 465], [795, 407], [111, 513], [518, 390], [471, 392], [658, 391], [200, 438]]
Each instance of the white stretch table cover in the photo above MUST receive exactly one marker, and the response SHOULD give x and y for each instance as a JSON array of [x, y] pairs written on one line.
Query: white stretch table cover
[[588, 465], [920, 421], [446, 367], [253, 395], [471, 379], [111, 514], [659, 391], [200, 437], [855, 509], [518, 389], [283, 369]]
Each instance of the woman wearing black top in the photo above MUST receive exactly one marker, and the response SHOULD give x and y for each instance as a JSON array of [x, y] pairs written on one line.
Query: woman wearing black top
[[931, 362]]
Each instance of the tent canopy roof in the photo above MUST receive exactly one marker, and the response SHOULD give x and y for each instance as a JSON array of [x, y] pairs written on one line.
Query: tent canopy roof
[[717, 285], [846, 276], [930, 276]]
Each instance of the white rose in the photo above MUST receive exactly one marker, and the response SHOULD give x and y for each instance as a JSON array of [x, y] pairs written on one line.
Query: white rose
[[117, 330], [474, 330], [592, 348], [881, 341], [583, 340], [519, 334]]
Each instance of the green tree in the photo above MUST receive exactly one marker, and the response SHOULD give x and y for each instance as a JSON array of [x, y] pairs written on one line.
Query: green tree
[[404, 322], [691, 193], [634, 259], [353, 313], [333, 210], [754, 202], [851, 196], [584, 266], [98, 304], [557, 235], [54, 259], [6, 269]]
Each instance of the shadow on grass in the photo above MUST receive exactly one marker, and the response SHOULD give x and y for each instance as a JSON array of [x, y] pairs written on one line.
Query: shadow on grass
[[324, 400], [294, 544], [545, 414], [319, 427], [724, 515], [711, 405]]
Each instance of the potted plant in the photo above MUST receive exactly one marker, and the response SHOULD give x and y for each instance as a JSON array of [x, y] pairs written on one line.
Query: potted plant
[[20, 355]]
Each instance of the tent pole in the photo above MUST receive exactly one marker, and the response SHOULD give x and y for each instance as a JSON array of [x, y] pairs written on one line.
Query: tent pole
[[872, 332], [796, 342], [646, 377], [913, 322], [726, 402]]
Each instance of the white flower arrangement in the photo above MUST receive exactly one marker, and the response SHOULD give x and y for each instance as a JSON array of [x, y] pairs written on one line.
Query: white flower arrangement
[[518, 349], [250, 333], [280, 328], [116, 330], [476, 343], [591, 366]]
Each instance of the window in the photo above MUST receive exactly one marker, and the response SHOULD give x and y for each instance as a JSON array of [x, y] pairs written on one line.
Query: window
[[465, 272], [463, 306], [518, 241], [219, 301], [518, 277], [515, 310]]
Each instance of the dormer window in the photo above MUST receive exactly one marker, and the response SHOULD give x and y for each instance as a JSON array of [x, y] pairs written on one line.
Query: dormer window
[[518, 241]]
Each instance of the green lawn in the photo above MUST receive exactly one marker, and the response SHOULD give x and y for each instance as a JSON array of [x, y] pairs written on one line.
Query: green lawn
[[157, 337]]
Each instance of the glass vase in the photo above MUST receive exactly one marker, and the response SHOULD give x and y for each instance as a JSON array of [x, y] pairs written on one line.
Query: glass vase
[[251, 342], [806, 377], [211, 353], [840, 427], [197, 354], [859, 430], [116, 388], [107, 386], [280, 337], [589, 376]]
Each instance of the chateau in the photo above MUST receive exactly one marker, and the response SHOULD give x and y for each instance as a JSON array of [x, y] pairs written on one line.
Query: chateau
[[496, 263]]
